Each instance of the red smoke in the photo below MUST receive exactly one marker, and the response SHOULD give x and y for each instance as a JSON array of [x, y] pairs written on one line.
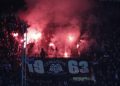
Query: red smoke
[[55, 24]]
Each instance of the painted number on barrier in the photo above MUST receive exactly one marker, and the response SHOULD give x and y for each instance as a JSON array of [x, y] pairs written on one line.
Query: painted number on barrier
[[78, 67]]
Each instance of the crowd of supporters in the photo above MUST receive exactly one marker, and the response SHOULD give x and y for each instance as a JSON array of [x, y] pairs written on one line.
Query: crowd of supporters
[[106, 60]]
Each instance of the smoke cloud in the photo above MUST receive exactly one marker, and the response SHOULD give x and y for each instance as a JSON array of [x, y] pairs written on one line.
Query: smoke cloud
[[57, 19]]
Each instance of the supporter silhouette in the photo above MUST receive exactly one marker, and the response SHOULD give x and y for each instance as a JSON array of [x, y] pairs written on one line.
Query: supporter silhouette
[[43, 53]]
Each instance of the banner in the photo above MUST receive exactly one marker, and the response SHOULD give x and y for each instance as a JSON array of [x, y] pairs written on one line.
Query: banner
[[58, 67]]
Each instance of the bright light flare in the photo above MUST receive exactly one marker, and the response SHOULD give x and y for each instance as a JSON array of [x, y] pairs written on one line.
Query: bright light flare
[[66, 55], [70, 38], [22, 40], [36, 36], [33, 35], [15, 34], [52, 45], [78, 46], [24, 45]]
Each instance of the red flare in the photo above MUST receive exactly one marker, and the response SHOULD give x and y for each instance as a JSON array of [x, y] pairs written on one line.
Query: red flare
[[15, 34]]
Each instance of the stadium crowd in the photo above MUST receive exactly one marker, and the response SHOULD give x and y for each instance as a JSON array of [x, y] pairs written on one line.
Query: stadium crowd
[[106, 60]]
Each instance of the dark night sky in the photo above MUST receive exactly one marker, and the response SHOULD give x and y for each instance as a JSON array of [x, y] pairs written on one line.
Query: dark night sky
[[5, 5], [14, 5]]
